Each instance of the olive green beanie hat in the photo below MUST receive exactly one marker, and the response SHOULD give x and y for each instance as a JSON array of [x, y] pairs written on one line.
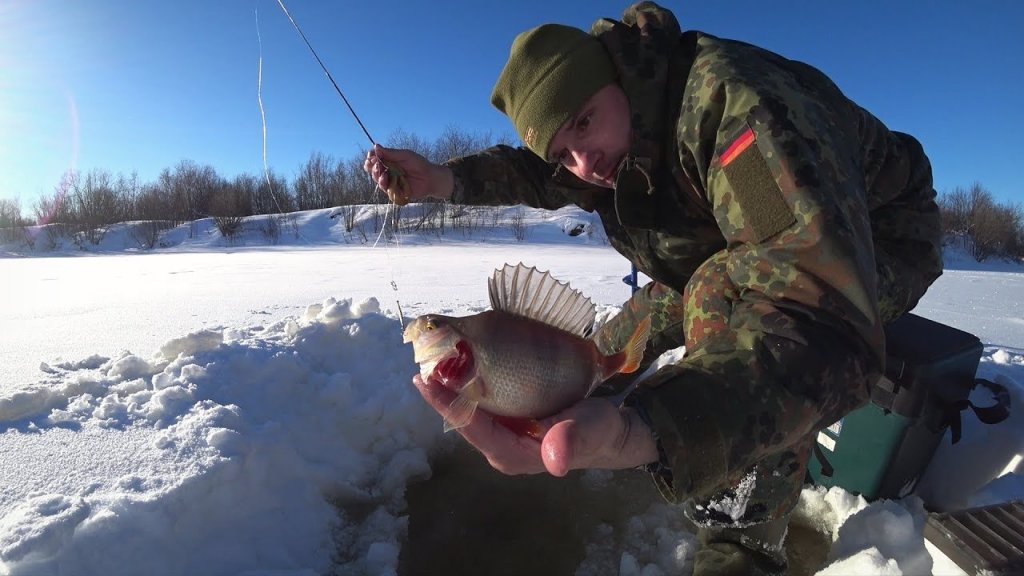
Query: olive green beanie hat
[[551, 71]]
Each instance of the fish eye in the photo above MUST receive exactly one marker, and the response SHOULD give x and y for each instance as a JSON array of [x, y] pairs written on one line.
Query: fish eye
[[430, 324]]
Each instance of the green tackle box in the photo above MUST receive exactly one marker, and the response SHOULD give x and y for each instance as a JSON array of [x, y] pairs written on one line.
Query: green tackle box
[[881, 449]]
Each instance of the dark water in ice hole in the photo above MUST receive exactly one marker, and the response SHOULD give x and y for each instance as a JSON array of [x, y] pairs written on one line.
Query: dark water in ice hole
[[470, 519]]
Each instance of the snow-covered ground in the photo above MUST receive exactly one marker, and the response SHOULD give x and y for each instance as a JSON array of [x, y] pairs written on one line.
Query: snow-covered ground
[[245, 407]]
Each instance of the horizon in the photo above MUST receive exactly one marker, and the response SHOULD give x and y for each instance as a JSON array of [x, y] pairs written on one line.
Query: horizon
[[130, 88]]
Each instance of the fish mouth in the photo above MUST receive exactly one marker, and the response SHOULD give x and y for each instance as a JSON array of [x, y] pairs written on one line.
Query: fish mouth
[[442, 355], [455, 370]]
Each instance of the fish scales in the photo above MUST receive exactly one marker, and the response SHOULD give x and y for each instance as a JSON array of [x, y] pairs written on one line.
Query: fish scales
[[529, 366]]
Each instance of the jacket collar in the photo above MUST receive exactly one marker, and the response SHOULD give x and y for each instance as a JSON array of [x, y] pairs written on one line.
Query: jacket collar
[[641, 49]]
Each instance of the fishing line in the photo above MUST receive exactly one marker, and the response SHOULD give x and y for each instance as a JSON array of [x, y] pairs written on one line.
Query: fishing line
[[396, 175], [263, 117]]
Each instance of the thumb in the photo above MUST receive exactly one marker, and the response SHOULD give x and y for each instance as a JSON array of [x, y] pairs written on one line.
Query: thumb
[[382, 152], [389, 155], [558, 449]]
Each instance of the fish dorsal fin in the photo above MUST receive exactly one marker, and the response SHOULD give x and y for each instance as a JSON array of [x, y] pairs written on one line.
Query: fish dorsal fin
[[534, 294]]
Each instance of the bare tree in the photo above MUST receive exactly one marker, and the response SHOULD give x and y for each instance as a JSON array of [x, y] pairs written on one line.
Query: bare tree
[[954, 207], [453, 143], [320, 183], [231, 199], [98, 200], [994, 229], [10, 212], [12, 223], [189, 187], [229, 205], [151, 213], [1013, 246], [1015, 243], [56, 209], [271, 195], [518, 223]]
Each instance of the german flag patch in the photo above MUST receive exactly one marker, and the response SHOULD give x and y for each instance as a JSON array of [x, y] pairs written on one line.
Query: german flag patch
[[737, 147], [765, 211]]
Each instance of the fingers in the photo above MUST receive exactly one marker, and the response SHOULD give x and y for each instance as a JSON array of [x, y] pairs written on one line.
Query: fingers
[[439, 397], [593, 433], [506, 451], [374, 166]]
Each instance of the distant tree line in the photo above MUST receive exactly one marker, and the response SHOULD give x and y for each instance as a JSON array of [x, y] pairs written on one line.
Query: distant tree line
[[84, 204], [984, 227], [190, 191]]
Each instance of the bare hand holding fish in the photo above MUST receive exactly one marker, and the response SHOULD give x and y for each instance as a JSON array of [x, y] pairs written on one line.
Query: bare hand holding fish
[[594, 433], [529, 367]]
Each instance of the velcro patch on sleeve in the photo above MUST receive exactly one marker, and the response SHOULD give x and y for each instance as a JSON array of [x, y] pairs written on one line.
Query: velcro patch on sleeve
[[754, 188], [737, 147]]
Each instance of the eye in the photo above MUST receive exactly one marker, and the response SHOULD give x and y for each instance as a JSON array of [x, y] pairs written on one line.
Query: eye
[[430, 325], [583, 123]]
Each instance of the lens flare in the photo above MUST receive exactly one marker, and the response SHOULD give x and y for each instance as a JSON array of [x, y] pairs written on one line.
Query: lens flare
[[69, 174]]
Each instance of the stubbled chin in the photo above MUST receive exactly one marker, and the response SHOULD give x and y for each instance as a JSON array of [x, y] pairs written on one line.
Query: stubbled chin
[[603, 183]]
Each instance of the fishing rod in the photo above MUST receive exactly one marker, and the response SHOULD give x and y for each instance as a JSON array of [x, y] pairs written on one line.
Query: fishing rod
[[397, 189]]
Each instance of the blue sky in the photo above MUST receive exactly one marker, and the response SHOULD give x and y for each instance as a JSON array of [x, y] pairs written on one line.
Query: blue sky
[[139, 85]]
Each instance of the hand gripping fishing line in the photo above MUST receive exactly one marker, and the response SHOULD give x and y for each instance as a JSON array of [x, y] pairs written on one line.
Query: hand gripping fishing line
[[398, 187]]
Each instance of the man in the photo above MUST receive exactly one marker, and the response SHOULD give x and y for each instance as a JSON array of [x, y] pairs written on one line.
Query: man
[[783, 226]]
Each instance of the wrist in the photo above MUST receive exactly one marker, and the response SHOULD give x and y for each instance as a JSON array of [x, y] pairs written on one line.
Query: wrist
[[656, 464], [445, 182], [639, 446]]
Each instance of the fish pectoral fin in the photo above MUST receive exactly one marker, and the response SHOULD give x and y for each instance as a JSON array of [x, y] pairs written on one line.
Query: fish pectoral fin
[[459, 413], [461, 410]]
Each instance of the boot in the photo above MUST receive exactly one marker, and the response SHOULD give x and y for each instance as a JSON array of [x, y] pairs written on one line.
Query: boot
[[752, 551]]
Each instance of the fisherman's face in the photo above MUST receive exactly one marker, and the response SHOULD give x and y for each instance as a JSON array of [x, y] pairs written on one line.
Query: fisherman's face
[[592, 143]]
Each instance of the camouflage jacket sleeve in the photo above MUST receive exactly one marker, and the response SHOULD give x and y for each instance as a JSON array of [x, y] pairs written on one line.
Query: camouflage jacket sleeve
[[505, 176], [782, 327]]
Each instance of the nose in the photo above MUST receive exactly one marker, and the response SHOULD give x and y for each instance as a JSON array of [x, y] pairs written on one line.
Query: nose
[[584, 161]]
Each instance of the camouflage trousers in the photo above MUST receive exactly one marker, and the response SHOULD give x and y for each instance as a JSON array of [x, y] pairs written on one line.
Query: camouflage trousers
[[905, 265]]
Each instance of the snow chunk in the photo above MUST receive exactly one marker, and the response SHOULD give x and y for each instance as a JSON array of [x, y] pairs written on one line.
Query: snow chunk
[[202, 341], [870, 562], [131, 366], [39, 527], [735, 506]]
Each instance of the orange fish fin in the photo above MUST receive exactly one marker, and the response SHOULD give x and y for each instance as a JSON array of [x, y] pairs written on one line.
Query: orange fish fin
[[523, 426], [461, 410], [628, 360]]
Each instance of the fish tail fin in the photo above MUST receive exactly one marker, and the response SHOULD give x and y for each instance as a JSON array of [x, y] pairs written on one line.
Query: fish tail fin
[[628, 360]]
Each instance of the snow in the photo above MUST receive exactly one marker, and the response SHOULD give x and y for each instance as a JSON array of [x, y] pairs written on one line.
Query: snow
[[245, 406]]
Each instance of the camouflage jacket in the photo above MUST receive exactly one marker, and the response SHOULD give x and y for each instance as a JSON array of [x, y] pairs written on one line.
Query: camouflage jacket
[[758, 175]]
